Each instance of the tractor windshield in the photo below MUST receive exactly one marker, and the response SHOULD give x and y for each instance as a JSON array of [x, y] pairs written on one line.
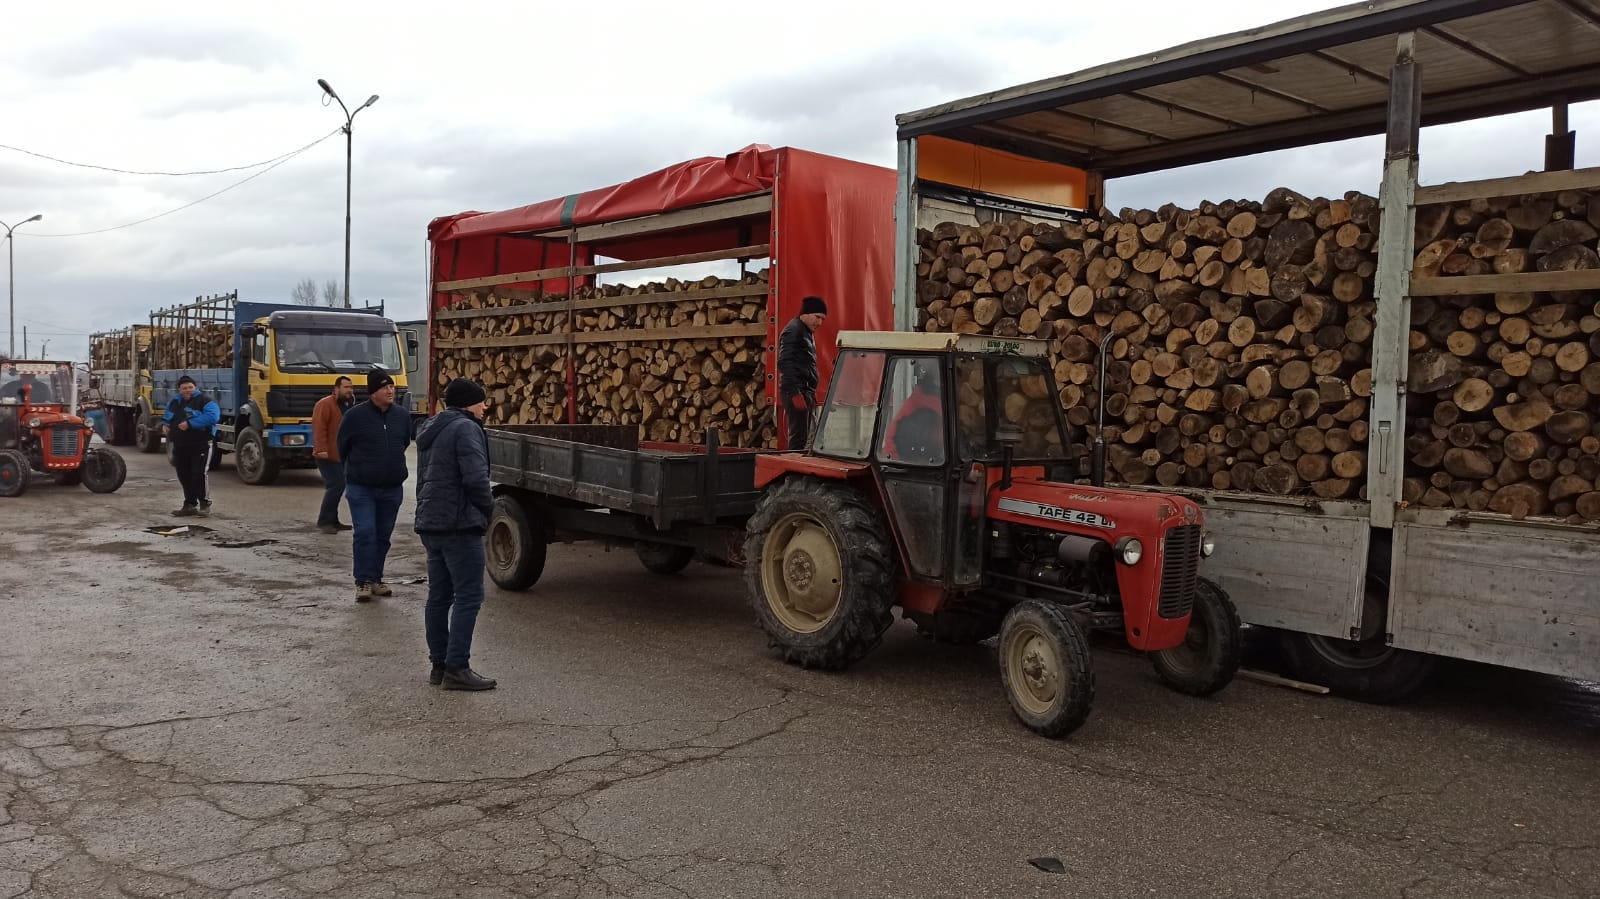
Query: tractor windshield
[[996, 391], [51, 382]]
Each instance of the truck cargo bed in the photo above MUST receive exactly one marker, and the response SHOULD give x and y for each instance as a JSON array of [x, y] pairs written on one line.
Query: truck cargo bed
[[604, 466]]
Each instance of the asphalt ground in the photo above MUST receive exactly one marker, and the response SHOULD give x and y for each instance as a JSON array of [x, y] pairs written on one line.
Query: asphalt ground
[[212, 715]]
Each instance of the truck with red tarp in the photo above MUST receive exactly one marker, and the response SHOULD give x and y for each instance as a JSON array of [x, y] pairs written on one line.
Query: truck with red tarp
[[823, 225]]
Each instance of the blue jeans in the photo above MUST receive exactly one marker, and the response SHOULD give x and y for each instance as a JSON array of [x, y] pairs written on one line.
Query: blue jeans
[[372, 514], [333, 481], [455, 592]]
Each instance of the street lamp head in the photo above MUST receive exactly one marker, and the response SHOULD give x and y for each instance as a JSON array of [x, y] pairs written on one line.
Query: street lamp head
[[323, 83], [370, 100], [37, 218]]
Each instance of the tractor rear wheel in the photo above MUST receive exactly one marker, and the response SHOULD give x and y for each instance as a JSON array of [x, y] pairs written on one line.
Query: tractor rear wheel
[[13, 473], [102, 470], [819, 569], [663, 558], [515, 545], [1208, 657], [147, 433], [1046, 668]]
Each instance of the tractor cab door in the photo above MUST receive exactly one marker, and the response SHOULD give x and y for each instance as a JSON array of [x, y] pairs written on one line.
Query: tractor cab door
[[913, 453]]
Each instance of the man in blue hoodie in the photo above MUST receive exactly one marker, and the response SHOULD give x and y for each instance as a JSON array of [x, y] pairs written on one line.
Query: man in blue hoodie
[[453, 508], [190, 425], [372, 441]]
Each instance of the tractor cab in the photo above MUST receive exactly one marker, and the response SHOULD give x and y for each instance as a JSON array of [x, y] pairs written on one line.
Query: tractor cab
[[40, 431], [940, 480]]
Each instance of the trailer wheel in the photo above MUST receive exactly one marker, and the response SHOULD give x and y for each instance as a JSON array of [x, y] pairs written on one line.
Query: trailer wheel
[[1046, 668], [1208, 657], [1369, 669], [515, 544], [147, 434], [102, 470], [663, 558], [819, 569], [253, 459], [13, 473]]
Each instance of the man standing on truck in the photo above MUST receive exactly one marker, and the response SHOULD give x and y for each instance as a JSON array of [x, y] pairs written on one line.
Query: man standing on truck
[[325, 418], [797, 369], [190, 424], [372, 441], [453, 508]]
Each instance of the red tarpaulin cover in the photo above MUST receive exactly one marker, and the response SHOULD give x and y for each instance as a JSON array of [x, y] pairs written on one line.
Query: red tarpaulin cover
[[831, 234]]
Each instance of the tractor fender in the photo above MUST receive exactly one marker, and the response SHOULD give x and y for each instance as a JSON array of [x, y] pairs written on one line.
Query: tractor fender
[[770, 468]]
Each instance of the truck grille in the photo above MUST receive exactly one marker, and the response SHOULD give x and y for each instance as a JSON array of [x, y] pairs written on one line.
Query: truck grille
[[64, 443], [1180, 571], [298, 402]]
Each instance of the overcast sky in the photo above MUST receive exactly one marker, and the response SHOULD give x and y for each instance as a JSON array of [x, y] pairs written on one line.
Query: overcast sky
[[486, 106]]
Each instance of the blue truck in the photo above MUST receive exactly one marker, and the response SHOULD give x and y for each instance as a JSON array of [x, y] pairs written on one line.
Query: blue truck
[[267, 365]]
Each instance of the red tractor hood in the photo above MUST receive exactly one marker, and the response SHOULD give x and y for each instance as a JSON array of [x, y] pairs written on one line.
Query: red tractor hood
[[1092, 511]]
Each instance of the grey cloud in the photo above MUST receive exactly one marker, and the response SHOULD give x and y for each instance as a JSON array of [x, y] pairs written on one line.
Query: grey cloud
[[184, 42]]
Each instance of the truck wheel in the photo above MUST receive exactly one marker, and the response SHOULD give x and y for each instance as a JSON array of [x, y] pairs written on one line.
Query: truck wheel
[[1046, 668], [1369, 670], [820, 573], [102, 470], [663, 558], [147, 434], [253, 459], [1208, 657], [13, 473], [516, 545]]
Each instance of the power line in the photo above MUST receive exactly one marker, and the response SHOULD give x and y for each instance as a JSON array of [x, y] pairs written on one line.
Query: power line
[[219, 193], [107, 168]]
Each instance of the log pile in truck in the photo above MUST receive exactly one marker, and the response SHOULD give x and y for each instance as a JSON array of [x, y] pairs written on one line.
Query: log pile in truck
[[519, 302], [1242, 340]]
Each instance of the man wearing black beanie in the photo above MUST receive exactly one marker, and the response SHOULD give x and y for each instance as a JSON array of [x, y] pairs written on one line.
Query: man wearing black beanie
[[453, 509], [797, 369], [372, 441]]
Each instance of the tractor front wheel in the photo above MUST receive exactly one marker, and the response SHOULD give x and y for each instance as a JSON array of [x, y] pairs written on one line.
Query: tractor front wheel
[[102, 470], [663, 558], [1046, 668], [13, 473], [1208, 657], [819, 569]]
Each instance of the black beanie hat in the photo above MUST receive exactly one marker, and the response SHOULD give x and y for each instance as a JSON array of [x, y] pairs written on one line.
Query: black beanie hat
[[377, 379], [811, 305], [185, 380], [462, 393]]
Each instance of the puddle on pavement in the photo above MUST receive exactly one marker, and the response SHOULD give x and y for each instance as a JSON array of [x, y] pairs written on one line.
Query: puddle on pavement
[[243, 544], [191, 530]]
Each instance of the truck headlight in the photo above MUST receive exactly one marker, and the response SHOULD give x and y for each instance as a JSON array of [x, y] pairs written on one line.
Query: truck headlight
[[1208, 545], [294, 440], [1130, 550], [34, 423]]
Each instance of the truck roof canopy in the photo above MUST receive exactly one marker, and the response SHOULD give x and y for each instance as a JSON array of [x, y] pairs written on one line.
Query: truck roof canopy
[[331, 321], [1302, 81]]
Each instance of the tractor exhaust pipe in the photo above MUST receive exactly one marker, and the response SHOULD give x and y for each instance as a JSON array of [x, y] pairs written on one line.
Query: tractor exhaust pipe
[[1097, 453]]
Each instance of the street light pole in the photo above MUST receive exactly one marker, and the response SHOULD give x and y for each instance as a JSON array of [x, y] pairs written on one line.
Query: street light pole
[[349, 138], [11, 274]]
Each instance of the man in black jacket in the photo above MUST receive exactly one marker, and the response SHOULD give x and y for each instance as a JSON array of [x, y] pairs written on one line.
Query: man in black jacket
[[190, 425], [372, 441], [797, 369], [453, 508]]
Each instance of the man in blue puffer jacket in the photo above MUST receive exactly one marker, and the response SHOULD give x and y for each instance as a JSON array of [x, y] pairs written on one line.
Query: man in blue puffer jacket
[[453, 508]]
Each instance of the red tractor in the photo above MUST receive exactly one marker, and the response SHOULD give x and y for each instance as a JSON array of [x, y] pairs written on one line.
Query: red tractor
[[40, 432], [973, 524]]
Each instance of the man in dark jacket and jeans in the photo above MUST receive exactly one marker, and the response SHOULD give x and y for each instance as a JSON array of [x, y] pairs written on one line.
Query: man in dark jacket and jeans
[[453, 508], [797, 369], [372, 441]]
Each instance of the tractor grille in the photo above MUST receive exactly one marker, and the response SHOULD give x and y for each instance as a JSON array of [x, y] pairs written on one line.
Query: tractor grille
[[1180, 571], [64, 443]]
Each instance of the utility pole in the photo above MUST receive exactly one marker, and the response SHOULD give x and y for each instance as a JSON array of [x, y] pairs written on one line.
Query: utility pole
[[11, 277], [349, 138]]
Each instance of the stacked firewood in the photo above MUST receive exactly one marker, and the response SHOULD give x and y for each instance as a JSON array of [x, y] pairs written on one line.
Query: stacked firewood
[[1505, 387], [195, 346], [111, 351], [1243, 337], [675, 358]]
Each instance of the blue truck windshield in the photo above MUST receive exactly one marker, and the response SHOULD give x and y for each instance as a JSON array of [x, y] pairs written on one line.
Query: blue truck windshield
[[336, 351]]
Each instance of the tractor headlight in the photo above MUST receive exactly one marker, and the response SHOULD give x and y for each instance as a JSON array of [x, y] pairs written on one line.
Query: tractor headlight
[[34, 423], [1208, 545], [294, 440], [1130, 550]]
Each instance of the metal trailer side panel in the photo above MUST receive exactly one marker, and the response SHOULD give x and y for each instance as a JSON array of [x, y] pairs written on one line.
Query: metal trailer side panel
[[119, 387], [1520, 594], [1289, 567]]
